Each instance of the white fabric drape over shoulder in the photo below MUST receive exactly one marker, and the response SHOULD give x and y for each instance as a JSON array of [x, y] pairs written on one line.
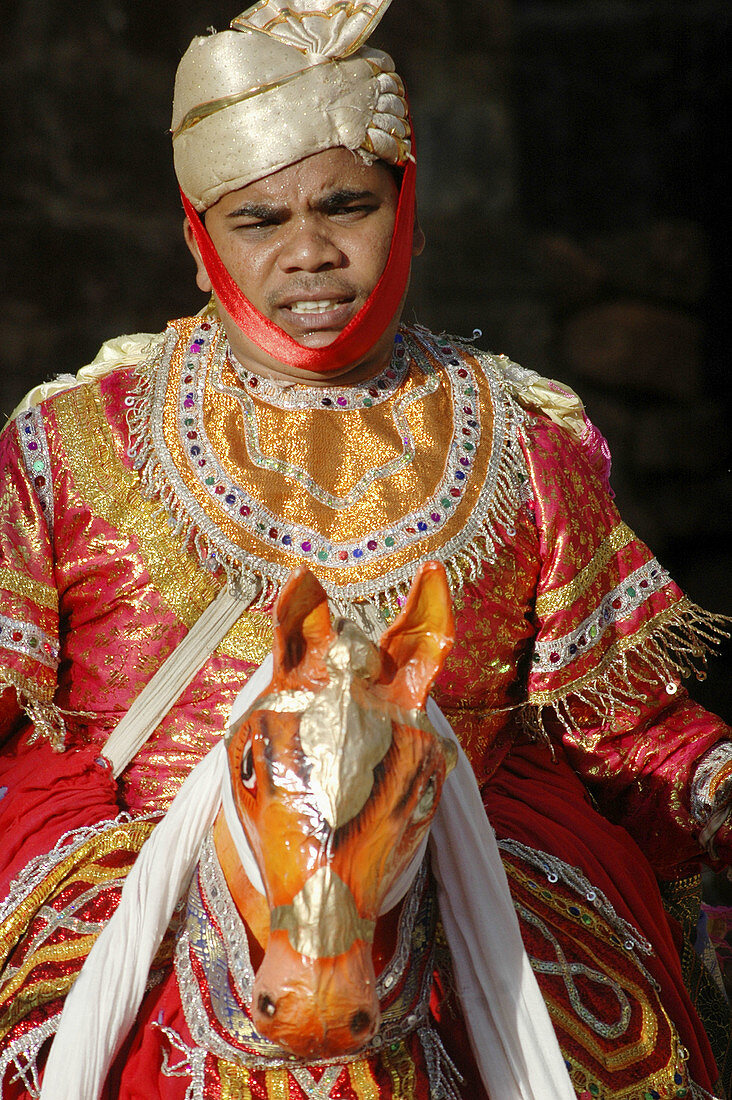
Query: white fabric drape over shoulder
[[512, 1037]]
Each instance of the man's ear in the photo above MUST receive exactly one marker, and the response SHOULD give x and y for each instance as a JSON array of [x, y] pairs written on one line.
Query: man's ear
[[418, 238], [202, 280]]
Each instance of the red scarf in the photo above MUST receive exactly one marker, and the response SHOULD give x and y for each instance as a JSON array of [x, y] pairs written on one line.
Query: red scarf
[[361, 332]]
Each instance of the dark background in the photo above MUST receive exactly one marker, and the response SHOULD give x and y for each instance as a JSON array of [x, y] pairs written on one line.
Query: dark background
[[572, 188]]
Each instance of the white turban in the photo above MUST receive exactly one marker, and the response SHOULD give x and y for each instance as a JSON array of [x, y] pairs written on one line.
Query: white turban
[[291, 78]]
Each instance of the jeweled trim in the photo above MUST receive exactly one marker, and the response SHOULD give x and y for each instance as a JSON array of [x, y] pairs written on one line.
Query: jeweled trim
[[23, 637], [362, 395], [556, 870], [665, 650], [37, 459], [561, 598], [219, 483], [622, 602], [464, 555], [567, 971]]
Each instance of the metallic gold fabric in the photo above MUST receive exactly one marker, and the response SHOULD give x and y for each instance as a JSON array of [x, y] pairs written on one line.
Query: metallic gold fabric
[[615, 1036], [527, 579], [338, 450]]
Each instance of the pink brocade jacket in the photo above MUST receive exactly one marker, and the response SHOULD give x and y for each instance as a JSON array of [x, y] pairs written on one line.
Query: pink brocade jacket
[[112, 542]]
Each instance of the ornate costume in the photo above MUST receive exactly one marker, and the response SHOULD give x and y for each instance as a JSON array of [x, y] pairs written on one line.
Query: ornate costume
[[169, 473], [570, 599]]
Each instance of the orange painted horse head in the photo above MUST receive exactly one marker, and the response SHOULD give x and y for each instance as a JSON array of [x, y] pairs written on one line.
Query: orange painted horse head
[[336, 773]]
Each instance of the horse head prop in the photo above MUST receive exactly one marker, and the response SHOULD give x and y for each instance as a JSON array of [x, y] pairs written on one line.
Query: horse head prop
[[336, 773]]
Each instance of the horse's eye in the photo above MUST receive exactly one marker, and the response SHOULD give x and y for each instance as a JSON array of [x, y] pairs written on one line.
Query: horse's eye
[[426, 800], [248, 776]]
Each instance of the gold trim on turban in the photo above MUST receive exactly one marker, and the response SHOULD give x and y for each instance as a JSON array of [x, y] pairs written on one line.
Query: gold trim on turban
[[292, 79]]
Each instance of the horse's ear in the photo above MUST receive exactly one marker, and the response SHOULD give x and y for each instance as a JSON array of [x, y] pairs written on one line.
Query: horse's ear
[[302, 630], [416, 644]]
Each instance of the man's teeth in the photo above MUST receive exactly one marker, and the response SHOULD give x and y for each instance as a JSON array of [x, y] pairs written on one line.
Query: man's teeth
[[314, 307]]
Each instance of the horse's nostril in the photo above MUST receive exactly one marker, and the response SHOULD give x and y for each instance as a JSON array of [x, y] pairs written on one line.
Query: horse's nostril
[[266, 1005], [360, 1021]]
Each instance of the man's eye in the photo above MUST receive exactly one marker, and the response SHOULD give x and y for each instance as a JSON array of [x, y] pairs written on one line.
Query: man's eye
[[361, 209]]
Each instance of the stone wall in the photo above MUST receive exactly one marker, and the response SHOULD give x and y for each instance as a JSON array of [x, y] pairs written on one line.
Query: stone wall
[[570, 175]]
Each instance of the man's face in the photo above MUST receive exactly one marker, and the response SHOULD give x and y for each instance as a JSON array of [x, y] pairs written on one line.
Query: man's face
[[306, 246]]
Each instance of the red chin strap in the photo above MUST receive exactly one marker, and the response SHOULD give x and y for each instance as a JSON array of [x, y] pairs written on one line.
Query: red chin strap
[[361, 332]]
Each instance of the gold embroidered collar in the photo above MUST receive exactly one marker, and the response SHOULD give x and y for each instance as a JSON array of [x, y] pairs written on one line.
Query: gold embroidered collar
[[362, 483]]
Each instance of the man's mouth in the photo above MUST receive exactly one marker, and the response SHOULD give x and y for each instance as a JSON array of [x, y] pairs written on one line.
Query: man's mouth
[[316, 321], [322, 306]]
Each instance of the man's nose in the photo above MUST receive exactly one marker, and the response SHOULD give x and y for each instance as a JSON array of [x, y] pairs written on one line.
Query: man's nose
[[309, 246]]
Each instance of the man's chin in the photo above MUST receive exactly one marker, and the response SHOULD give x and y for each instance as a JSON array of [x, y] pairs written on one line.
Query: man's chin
[[320, 339]]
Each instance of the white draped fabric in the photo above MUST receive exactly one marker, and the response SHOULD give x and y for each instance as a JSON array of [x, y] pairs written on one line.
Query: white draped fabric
[[513, 1041]]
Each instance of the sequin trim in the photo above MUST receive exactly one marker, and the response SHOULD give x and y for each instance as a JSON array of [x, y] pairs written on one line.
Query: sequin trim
[[663, 651], [557, 870], [21, 1055], [219, 483], [26, 638], [712, 781], [568, 972], [362, 395], [37, 460], [464, 555], [622, 602], [34, 873], [551, 602]]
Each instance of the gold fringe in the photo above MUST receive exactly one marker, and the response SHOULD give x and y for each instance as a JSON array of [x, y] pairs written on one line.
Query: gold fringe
[[47, 718], [670, 648], [467, 563]]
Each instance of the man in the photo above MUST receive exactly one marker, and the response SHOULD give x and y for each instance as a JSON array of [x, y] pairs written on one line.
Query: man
[[296, 422]]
